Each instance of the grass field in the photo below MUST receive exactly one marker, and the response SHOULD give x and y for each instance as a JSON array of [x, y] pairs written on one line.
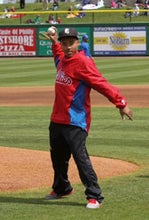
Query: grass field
[[40, 71], [126, 197]]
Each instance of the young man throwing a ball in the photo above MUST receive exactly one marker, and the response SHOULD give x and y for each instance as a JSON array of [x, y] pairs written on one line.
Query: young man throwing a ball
[[76, 75]]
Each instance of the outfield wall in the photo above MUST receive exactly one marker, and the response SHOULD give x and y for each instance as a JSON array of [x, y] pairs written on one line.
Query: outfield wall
[[105, 39]]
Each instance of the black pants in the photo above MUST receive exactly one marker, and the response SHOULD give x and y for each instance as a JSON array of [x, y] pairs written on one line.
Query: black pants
[[64, 141]]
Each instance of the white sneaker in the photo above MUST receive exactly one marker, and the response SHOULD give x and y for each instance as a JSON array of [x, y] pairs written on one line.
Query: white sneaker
[[93, 204]]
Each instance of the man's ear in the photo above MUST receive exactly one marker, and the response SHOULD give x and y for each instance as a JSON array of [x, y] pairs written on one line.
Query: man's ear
[[78, 42]]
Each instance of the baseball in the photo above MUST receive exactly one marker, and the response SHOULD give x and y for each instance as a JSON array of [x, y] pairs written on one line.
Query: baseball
[[51, 30]]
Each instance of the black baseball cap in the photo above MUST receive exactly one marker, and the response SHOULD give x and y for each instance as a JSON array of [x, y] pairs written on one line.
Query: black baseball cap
[[68, 32]]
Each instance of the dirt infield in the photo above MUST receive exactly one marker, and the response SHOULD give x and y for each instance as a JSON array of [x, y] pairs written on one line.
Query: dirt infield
[[22, 169], [27, 169], [137, 96]]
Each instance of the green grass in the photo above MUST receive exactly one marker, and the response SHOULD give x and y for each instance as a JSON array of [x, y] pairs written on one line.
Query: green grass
[[28, 72], [126, 197], [98, 17], [128, 140], [41, 71]]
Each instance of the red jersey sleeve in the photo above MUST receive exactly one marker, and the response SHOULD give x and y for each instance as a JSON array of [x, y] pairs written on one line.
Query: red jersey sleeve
[[93, 77], [57, 52]]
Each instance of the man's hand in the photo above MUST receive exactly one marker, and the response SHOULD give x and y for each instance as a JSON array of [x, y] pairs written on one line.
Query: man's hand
[[53, 37], [126, 112]]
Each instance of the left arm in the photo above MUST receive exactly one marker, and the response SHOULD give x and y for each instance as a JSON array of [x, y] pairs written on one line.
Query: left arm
[[91, 75]]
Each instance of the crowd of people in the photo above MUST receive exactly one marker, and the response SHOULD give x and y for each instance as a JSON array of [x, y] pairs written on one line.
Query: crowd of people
[[38, 20], [53, 20], [7, 12], [114, 4], [139, 4]]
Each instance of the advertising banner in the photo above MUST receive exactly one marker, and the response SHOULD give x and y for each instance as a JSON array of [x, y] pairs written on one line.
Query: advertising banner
[[119, 40], [17, 42], [44, 45]]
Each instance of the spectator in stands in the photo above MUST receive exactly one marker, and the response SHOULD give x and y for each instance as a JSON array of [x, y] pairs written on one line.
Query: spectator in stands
[[85, 2], [140, 3], [7, 14], [128, 13], [136, 10], [70, 8], [121, 3], [22, 4], [13, 9], [70, 13], [37, 19], [55, 5], [146, 12], [51, 19], [82, 13], [59, 20], [113, 4], [45, 4], [6, 9]]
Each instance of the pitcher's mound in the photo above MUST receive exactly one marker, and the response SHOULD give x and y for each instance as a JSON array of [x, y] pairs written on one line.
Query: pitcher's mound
[[22, 169]]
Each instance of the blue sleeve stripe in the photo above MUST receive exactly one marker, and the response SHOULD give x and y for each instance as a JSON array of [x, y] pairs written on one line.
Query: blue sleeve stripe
[[56, 61], [77, 109]]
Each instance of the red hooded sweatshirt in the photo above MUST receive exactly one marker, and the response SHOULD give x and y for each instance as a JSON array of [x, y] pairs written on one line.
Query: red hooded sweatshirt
[[75, 78]]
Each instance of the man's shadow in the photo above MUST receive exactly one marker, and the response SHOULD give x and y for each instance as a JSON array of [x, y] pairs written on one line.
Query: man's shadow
[[38, 201]]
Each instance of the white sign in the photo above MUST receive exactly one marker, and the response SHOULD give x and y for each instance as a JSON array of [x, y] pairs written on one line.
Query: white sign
[[119, 40], [14, 1], [29, 1], [7, 1]]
